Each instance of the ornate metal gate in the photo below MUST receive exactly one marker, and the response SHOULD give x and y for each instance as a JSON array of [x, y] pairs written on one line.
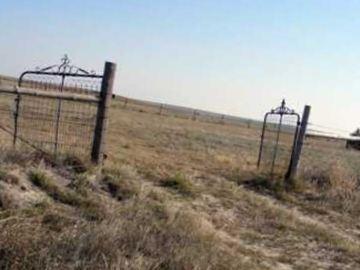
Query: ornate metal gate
[[59, 109], [62, 78], [278, 139]]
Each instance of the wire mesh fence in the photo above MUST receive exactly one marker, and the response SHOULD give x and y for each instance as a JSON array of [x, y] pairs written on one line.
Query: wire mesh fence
[[55, 124]]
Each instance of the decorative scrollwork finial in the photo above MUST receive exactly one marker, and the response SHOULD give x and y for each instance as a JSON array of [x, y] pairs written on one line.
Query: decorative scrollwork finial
[[283, 109], [65, 67]]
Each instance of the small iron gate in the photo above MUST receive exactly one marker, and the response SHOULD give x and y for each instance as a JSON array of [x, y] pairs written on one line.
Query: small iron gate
[[278, 139], [59, 109]]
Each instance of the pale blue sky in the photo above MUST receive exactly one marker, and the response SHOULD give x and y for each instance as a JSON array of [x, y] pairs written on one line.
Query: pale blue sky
[[236, 57]]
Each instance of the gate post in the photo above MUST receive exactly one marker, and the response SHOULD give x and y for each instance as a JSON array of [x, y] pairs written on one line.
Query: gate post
[[103, 113], [290, 175]]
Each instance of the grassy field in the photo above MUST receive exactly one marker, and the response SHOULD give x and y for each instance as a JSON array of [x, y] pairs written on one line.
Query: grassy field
[[179, 194]]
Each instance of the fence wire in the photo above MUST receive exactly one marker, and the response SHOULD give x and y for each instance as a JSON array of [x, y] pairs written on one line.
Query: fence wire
[[182, 112], [323, 156]]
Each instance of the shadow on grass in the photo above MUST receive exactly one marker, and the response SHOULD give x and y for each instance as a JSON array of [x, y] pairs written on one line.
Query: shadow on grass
[[264, 184]]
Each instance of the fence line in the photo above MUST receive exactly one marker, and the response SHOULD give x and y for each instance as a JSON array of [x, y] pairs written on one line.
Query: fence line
[[183, 112]]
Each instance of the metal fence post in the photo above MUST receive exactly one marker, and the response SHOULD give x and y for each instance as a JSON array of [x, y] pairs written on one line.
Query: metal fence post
[[262, 140], [58, 116], [103, 113], [291, 173], [16, 118]]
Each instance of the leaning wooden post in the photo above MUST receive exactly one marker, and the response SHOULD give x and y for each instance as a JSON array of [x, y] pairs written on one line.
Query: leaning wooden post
[[103, 113], [291, 173]]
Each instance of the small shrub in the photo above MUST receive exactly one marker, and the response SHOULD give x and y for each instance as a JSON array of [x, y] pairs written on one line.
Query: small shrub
[[41, 180], [179, 183]]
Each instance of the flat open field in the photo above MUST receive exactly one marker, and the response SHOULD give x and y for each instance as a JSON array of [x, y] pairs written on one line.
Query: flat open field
[[142, 137], [180, 194]]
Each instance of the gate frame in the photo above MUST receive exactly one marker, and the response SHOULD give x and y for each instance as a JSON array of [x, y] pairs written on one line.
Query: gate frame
[[281, 110], [65, 70]]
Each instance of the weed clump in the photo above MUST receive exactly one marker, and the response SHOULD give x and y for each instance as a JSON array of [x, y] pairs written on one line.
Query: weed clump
[[179, 183], [43, 181]]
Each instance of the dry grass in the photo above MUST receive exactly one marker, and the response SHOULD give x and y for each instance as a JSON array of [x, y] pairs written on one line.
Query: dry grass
[[179, 194]]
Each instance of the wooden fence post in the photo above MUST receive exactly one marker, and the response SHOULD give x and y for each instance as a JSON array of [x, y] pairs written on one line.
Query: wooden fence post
[[293, 166], [103, 113]]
